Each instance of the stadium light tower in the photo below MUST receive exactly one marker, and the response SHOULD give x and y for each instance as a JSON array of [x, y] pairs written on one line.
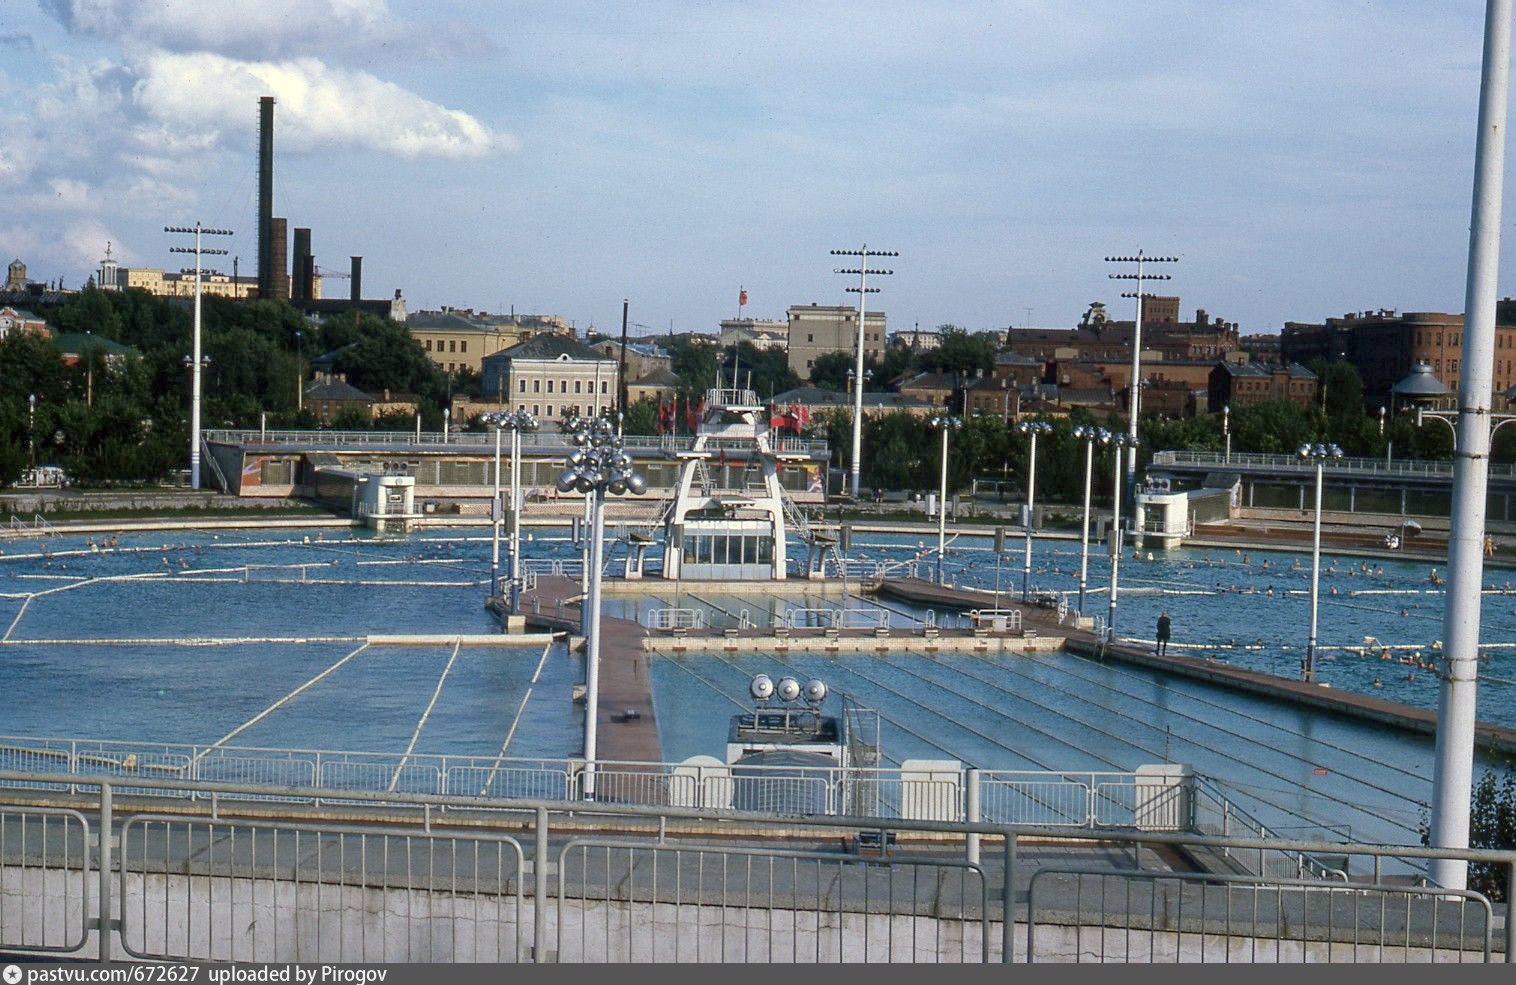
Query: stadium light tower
[[1453, 772], [1134, 401], [195, 359], [863, 290]]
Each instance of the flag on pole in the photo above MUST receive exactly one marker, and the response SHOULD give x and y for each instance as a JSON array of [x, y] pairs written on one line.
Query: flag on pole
[[741, 296]]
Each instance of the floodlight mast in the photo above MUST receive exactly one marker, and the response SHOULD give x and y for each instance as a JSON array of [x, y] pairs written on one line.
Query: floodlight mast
[[1134, 399], [1453, 772], [863, 291], [195, 358]]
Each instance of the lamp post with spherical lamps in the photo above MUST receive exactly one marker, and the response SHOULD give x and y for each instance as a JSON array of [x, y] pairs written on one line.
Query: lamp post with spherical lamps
[[597, 467]]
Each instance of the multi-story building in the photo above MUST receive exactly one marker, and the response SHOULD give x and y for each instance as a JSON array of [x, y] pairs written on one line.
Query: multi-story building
[[1261, 348], [917, 339], [1383, 346], [815, 330], [20, 320], [1239, 384], [816, 400], [1098, 337], [460, 339], [761, 333], [155, 281], [552, 376], [643, 359]]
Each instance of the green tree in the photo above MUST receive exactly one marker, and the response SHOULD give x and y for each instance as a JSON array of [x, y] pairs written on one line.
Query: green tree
[[641, 417], [960, 352], [352, 418], [1341, 388]]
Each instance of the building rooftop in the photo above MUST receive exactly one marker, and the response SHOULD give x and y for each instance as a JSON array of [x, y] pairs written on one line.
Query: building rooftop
[[550, 347], [332, 389], [816, 397]]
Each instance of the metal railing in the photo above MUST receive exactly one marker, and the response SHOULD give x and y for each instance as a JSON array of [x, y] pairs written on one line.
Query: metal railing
[[1217, 916], [837, 618], [1057, 798], [1006, 619], [484, 441], [420, 880], [672, 618], [1292, 464]]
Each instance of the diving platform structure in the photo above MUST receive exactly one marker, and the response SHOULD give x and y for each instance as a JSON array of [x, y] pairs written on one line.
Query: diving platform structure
[[737, 531]]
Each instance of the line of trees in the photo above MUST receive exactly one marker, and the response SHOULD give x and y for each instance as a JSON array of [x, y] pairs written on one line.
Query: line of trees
[[126, 418]]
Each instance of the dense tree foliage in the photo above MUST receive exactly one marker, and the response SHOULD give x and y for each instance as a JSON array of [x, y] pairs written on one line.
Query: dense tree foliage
[[124, 418]]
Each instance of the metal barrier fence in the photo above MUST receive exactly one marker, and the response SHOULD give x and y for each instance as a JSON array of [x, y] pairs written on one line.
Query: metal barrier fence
[[1143, 799], [1250, 918], [671, 618], [837, 618], [484, 441], [433, 879]]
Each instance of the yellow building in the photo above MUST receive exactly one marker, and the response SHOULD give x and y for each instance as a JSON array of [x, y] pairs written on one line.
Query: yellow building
[[176, 285], [458, 339]]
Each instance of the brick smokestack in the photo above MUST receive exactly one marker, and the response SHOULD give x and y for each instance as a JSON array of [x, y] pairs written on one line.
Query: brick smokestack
[[265, 196], [300, 285], [357, 280]]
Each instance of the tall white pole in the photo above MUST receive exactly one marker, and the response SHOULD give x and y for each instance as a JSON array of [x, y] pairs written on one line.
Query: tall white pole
[[942, 508], [1026, 521], [1134, 401], [592, 645], [1308, 668], [863, 298], [1226, 431], [495, 512], [1084, 535], [1110, 619], [195, 377], [1453, 774], [515, 518]]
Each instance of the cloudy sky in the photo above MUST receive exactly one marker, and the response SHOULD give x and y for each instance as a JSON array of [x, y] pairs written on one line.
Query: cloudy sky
[[1303, 157]]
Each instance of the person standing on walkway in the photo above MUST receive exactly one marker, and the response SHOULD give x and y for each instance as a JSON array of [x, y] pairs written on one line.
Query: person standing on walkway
[[1163, 634]]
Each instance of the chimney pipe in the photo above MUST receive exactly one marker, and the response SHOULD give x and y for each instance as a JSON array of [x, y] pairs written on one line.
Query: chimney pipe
[[265, 195], [357, 280], [300, 289]]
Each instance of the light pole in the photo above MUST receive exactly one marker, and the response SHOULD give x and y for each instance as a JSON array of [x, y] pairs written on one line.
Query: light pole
[[595, 467], [1226, 431], [1031, 429], [944, 423], [447, 414], [516, 422], [1090, 435], [299, 374], [195, 363], [1134, 401], [863, 291], [31, 428], [1117, 441], [1319, 454]]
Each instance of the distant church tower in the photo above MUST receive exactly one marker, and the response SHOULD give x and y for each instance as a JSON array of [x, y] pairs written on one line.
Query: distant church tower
[[110, 276], [16, 276]]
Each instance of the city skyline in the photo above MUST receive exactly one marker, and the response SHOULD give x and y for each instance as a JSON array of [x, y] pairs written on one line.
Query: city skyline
[[1303, 159]]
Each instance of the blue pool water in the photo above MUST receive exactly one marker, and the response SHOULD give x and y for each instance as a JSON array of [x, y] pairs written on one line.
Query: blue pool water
[[320, 597]]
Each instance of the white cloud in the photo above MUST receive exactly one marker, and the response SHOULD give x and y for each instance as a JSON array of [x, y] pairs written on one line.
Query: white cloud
[[269, 27], [318, 106]]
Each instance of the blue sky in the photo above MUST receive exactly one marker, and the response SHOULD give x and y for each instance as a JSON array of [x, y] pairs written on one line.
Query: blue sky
[[1303, 158]]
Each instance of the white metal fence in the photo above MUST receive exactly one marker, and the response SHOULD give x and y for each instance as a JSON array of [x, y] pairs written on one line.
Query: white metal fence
[[616, 882]]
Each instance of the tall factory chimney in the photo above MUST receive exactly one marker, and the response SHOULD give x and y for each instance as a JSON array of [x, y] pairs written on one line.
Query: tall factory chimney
[[357, 280], [300, 285], [279, 258], [265, 196]]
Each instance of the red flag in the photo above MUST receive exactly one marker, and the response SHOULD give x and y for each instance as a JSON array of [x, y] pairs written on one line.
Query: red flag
[[665, 416], [693, 413], [741, 297]]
